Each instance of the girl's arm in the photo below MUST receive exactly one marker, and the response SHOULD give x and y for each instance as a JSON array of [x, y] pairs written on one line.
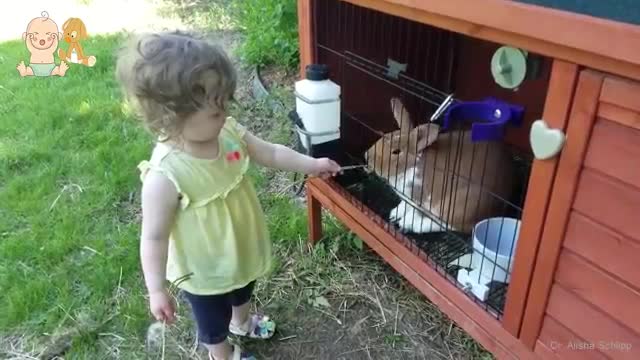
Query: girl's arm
[[159, 204], [283, 158]]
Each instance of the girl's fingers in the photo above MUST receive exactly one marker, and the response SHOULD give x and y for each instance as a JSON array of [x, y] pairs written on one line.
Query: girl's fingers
[[159, 315], [169, 318], [170, 311], [168, 315]]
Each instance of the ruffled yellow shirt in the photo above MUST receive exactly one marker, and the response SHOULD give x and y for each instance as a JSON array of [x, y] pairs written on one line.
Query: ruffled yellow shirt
[[220, 234]]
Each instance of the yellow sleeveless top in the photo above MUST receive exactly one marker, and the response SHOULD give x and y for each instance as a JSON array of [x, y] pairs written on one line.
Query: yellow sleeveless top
[[220, 238]]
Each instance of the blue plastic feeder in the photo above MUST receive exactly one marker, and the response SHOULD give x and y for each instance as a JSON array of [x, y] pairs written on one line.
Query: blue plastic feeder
[[489, 117]]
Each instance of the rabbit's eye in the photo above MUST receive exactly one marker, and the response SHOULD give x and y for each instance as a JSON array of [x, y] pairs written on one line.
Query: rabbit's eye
[[396, 151]]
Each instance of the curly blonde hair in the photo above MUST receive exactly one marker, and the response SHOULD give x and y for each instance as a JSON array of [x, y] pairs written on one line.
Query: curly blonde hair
[[170, 75]]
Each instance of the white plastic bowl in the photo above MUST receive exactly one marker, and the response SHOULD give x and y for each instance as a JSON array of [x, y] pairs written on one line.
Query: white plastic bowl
[[494, 243]]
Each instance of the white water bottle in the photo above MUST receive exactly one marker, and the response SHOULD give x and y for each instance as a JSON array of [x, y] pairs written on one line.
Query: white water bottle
[[318, 106]]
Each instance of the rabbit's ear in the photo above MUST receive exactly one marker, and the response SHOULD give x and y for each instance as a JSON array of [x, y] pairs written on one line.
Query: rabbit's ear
[[425, 135], [401, 115]]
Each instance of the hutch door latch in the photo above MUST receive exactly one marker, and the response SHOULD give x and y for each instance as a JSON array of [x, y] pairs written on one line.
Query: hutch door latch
[[545, 142]]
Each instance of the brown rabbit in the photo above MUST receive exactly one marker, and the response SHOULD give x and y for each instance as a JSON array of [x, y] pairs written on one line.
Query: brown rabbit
[[455, 181]]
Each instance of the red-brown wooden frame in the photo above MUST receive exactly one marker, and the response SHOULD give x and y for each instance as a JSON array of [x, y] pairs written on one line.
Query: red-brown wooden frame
[[305, 33], [458, 306], [556, 112], [583, 115], [599, 44]]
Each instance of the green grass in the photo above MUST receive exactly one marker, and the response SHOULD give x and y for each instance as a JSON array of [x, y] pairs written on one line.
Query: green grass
[[68, 155], [270, 27], [68, 203]]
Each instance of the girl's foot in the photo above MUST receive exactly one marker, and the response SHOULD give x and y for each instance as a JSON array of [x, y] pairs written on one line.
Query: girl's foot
[[256, 327], [238, 354]]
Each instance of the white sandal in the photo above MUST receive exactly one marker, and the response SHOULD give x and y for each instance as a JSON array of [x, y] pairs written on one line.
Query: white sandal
[[238, 354], [257, 327]]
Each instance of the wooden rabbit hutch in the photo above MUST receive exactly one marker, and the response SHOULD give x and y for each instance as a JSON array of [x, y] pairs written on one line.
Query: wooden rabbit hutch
[[553, 84]]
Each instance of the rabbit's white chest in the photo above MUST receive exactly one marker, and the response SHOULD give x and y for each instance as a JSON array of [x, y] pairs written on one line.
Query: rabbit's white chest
[[408, 177], [404, 182], [408, 217]]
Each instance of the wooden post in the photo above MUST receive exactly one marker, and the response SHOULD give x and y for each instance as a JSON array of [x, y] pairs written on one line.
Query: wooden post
[[314, 209], [562, 84], [583, 114], [307, 56], [305, 33]]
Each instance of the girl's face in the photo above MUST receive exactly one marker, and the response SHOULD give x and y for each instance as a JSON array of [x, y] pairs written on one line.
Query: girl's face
[[204, 125]]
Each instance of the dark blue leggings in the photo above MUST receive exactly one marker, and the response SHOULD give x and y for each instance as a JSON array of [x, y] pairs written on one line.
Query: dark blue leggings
[[213, 312]]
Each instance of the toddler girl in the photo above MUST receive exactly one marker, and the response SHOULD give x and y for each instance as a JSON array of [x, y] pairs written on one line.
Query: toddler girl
[[200, 214]]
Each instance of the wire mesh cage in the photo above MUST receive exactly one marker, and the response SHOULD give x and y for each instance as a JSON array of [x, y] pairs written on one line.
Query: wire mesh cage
[[445, 182]]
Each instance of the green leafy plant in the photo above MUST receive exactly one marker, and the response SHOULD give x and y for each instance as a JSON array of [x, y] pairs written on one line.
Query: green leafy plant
[[271, 31]]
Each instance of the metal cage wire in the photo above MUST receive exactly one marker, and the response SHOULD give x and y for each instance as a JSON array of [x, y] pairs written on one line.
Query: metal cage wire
[[376, 57]]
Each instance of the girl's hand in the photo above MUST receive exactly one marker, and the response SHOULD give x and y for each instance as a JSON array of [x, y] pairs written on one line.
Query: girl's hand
[[324, 168], [162, 306]]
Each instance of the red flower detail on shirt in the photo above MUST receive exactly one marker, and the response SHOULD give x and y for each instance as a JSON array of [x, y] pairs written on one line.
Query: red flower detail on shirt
[[233, 155]]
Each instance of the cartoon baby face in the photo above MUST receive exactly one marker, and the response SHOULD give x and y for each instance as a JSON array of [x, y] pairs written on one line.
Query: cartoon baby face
[[42, 35]]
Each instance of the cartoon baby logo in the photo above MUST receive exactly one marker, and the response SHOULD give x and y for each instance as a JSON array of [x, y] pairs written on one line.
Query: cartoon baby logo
[[42, 38], [74, 31]]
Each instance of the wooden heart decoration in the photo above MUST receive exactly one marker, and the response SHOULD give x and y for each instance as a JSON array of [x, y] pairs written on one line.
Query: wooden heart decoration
[[545, 142]]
